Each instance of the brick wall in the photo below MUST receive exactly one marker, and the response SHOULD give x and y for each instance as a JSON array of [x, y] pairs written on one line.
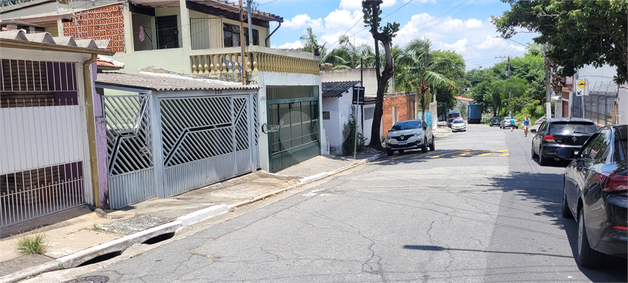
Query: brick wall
[[105, 22], [403, 103]]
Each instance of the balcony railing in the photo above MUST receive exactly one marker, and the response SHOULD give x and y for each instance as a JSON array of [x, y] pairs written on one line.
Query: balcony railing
[[257, 59]]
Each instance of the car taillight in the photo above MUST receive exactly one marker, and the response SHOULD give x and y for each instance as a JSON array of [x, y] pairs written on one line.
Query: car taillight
[[548, 138], [613, 183], [624, 228]]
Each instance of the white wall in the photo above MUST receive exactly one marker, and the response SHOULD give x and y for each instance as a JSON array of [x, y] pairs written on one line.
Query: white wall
[[368, 123], [282, 79], [622, 105]]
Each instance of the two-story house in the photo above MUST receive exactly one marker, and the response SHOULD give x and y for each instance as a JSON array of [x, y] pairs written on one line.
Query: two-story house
[[201, 38]]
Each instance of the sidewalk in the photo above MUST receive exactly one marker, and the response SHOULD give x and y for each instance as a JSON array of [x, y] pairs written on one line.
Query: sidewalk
[[79, 235]]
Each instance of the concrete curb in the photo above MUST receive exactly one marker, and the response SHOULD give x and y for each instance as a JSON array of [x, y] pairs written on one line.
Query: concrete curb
[[123, 243]]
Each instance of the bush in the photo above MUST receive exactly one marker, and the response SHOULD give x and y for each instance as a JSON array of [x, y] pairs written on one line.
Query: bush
[[32, 244], [349, 133]]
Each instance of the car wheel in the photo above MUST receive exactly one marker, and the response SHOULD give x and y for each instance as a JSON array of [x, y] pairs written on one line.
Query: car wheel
[[534, 155], [432, 146], [542, 160], [390, 152], [490, 125], [564, 207], [587, 257], [401, 151], [424, 146]]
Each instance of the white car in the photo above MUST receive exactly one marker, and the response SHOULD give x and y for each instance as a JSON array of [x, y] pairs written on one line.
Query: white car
[[411, 134], [458, 125]]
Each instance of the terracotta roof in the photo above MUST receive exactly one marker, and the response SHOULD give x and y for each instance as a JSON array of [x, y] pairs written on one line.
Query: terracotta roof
[[106, 63], [336, 89], [167, 82], [463, 98]]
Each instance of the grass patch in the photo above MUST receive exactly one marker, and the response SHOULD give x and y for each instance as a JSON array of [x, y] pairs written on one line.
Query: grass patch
[[32, 244]]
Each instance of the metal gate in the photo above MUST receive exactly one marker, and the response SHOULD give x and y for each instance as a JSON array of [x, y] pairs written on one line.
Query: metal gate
[[293, 125], [131, 175], [43, 152], [206, 140]]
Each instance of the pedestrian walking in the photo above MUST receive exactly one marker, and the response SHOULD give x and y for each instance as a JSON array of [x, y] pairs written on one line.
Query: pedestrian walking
[[512, 124], [526, 124]]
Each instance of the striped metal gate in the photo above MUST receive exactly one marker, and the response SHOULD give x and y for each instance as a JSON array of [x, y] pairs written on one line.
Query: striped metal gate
[[131, 175], [43, 150], [206, 139]]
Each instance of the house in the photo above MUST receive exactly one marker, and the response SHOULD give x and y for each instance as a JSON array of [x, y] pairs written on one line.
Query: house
[[167, 134], [47, 127], [398, 106], [338, 109], [462, 104], [203, 38]]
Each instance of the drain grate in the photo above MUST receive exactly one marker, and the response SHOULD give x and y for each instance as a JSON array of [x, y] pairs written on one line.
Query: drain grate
[[89, 279]]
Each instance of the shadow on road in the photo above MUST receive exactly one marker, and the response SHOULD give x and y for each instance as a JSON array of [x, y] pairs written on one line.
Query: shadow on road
[[439, 248]]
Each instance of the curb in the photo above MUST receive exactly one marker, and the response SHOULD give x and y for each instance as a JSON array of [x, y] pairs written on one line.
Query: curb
[[123, 243]]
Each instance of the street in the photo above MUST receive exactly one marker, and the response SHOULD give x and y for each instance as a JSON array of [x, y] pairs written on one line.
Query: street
[[477, 209]]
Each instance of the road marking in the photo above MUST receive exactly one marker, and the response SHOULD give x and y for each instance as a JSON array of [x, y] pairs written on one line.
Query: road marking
[[485, 154], [501, 150], [446, 153], [465, 153], [505, 154]]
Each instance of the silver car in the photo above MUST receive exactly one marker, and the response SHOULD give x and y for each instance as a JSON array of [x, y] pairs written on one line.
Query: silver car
[[458, 125], [411, 134]]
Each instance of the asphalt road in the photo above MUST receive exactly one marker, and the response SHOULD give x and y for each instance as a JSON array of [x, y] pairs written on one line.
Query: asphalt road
[[477, 209]]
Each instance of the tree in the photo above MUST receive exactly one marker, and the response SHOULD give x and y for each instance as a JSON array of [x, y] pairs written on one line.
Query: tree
[[578, 32], [372, 13], [311, 44], [12, 2], [452, 66], [349, 56], [421, 71]]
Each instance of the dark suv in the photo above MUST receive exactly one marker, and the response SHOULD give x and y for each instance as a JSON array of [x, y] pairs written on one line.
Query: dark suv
[[559, 133]]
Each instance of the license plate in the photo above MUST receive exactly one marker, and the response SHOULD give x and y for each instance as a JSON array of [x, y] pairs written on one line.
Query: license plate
[[402, 142]]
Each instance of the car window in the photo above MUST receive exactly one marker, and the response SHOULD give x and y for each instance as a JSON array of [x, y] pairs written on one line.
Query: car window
[[621, 145], [600, 146], [569, 128], [542, 127], [458, 122], [406, 125], [586, 148]]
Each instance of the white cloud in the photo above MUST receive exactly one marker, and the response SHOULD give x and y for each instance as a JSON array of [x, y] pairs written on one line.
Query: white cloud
[[303, 21], [295, 45], [459, 46], [491, 42], [357, 4], [473, 23], [342, 20]]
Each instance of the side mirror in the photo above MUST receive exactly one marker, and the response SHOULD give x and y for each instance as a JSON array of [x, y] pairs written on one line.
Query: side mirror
[[565, 153], [533, 131]]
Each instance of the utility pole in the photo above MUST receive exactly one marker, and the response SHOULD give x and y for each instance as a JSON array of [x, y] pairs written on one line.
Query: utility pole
[[248, 6], [243, 64], [509, 94], [548, 100]]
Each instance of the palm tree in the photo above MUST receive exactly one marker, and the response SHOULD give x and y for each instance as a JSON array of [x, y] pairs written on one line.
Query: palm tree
[[419, 71], [349, 56], [311, 44]]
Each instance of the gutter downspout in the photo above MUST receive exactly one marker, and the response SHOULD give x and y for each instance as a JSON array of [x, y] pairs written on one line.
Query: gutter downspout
[[91, 127], [266, 40]]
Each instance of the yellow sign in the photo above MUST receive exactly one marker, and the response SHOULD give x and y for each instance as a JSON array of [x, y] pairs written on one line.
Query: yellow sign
[[581, 84]]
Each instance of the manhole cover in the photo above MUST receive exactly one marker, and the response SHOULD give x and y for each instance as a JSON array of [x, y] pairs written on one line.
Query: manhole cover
[[89, 279]]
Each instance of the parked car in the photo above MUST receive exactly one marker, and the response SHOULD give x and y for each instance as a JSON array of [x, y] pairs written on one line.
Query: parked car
[[458, 125], [558, 133], [595, 193], [495, 121], [451, 117], [412, 134], [505, 123]]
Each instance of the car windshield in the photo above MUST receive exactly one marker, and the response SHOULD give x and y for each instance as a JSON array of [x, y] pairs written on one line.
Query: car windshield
[[568, 128], [406, 125], [622, 140], [458, 122], [454, 115]]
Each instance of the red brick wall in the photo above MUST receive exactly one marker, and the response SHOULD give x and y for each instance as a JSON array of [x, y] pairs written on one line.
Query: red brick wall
[[402, 102], [105, 22]]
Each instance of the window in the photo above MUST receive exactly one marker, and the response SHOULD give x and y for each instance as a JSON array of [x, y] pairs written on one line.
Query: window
[[232, 35], [167, 32], [325, 115], [394, 114], [600, 146]]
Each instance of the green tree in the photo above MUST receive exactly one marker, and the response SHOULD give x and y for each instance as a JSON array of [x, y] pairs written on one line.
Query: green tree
[[452, 66], [577, 32], [421, 72], [383, 35], [310, 44]]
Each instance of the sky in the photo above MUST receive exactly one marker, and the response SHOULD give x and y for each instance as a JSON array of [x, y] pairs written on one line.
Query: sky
[[463, 26]]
